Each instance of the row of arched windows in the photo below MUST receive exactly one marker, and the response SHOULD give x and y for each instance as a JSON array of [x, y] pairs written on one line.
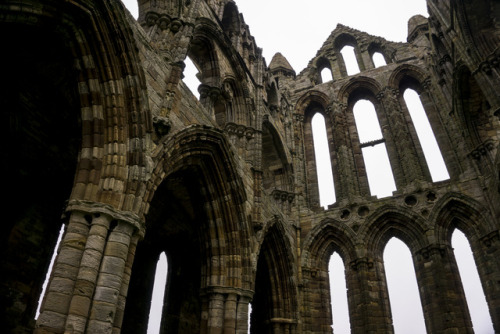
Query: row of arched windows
[[404, 296], [372, 142], [350, 60]]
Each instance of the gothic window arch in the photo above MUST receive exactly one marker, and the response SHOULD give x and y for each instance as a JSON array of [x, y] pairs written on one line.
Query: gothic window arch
[[347, 45], [424, 124], [403, 288], [313, 108], [373, 149], [324, 68], [377, 55], [474, 294]]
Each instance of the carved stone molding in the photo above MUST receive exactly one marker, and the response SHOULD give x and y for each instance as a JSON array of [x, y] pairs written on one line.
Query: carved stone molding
[[481, 150], [283, 195]]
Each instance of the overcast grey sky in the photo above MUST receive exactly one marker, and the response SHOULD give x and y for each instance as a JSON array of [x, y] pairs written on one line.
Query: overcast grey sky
[[298, 29]]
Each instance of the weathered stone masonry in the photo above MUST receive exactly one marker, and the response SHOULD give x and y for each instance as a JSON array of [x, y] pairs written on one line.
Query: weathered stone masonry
[[101, 134]]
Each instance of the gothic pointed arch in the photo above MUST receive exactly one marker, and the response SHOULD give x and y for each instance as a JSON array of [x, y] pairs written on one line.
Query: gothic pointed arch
[[276, 160], [321, 242], [275, 304], [207, 151], [309, 105], [392, 221], [455, 210], [71, 121]]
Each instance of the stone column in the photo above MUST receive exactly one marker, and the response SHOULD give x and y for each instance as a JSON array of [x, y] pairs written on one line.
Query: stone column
[[230, 314], [215, 313], [406, 164], [87, 276], [109, 282], [64, 275], [242, 315], [441, 291], [369, 308], [120, 310]]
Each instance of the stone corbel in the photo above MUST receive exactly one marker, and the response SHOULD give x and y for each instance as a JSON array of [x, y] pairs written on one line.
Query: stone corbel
[[482, 150]]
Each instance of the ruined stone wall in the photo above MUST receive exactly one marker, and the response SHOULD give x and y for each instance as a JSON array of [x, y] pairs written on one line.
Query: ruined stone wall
[[102, 129]]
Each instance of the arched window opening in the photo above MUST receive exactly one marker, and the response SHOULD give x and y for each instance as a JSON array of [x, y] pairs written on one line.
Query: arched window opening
[[323, 161], [155, 312], [476, 301], [49, 271], [351, 63], [338, 295], [326, 75], [378, 60], [191, 77], [378, 167], [406, 307], [425, 135]]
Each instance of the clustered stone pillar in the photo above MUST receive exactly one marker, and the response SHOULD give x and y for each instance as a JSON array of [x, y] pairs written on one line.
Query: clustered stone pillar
[[443, 297], [369, 297], [89, 281], [225, 311]]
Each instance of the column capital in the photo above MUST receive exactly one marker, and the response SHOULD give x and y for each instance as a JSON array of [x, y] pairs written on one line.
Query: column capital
[[90, 207]]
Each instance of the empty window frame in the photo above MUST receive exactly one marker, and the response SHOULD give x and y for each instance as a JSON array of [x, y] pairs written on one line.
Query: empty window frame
[[323, 162], [426, 137], [350, 60], [378, 59], [338, 295], [406, 307], [474, 294], [378, 167]]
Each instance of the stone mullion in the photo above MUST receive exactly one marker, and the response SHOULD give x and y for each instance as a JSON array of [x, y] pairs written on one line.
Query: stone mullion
[[367, 59], [300, 159], [87, 276], [64, 275], [406, 165], [343, 160], [359, 58], [311, 165], [120, 310], [486, 254], [368, 297], [340, 64], [353, 158], [441, 291], [109, 282]]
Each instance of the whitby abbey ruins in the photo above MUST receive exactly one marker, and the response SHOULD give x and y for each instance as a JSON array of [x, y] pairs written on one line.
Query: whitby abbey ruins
[[103, 137]]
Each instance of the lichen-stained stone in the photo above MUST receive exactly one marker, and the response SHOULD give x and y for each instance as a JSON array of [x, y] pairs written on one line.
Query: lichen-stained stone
[[103, 136]]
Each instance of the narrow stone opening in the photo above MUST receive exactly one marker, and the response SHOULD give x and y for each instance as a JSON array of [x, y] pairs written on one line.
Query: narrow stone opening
[[326, 75], [190, 77], [375, 157], [406, 307], [338, 295], [157, 300], [425, 135], [323, 161], [474, 294], [49, 271], [351, 63], [378, 59]]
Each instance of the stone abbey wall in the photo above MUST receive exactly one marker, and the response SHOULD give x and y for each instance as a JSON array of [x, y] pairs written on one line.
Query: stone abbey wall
[[102, 135]]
